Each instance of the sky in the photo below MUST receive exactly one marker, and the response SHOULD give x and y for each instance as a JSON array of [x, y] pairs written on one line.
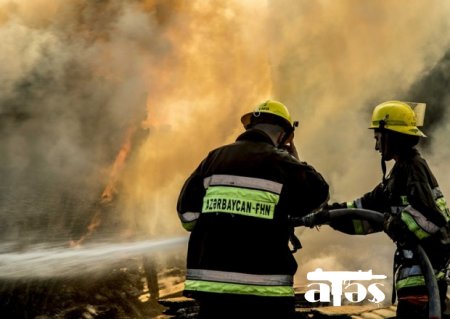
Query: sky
[[78, 76]]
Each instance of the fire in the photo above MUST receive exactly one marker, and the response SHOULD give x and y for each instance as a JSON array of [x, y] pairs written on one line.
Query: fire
[[111, 189], [93, 225]]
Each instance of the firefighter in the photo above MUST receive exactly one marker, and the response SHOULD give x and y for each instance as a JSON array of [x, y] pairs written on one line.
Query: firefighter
[[237, 205], [417, 212]]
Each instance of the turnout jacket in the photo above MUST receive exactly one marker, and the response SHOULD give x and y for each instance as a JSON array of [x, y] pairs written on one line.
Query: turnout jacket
[[237, 205], [411, 194]]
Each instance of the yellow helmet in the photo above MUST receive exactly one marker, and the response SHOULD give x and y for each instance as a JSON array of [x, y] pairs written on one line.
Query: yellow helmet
[[396, 116], [272, 107]]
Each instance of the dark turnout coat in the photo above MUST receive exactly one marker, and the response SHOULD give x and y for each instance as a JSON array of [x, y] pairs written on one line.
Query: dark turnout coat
[[237, 205], [411, 193]]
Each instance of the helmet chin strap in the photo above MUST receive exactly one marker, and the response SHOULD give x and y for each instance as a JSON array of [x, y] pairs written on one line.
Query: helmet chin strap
[[382, 145], [383, 169]]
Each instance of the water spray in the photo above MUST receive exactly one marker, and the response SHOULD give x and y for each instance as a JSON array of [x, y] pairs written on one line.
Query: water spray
[[51, 262]]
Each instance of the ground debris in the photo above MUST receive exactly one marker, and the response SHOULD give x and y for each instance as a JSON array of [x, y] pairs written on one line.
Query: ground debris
[[186, 308], [123, 292], [119, 293]]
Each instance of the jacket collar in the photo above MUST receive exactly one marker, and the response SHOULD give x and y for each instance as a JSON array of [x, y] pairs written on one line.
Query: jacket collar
[[255, 135], [408, 154]]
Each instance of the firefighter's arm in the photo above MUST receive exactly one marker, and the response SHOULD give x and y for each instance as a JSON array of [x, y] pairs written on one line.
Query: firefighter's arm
[[349, 224], [397, 230], [190, 200], [374, 200], [292, 150], [309, 192], [316, 193], [421, 217], [289, 145], [358, 226]]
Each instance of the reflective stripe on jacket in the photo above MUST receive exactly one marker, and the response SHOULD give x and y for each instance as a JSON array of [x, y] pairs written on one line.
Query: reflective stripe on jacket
[[412, 192], [238, 283], [237, 205]]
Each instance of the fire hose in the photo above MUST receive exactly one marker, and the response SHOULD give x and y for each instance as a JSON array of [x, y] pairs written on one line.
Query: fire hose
[[434, 304]]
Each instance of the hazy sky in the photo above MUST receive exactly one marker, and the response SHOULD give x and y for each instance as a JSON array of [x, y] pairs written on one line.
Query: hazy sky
[[76, 74]]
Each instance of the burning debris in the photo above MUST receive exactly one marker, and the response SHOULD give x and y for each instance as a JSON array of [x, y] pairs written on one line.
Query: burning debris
[[109, 193], [76, 74], [91, 280], [120, 292]]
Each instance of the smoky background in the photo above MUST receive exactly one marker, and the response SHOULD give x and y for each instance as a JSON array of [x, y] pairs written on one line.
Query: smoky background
[[76, 75]]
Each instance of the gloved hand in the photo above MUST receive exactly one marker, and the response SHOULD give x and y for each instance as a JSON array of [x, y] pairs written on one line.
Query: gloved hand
[[315, 219], [291, 149]]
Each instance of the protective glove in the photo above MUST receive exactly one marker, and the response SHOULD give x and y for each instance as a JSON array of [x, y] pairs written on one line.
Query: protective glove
[[315, 219], [291, 149]]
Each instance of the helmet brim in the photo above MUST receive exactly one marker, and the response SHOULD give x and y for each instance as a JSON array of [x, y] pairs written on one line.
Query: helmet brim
[[245, 119], [407, 130]]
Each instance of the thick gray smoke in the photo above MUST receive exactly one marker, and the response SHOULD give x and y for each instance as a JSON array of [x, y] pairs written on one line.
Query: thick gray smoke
[[75, 75], [432, 87], [69, 89]]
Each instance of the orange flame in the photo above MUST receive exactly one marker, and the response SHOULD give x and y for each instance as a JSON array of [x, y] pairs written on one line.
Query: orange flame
[[111, 188], [110, 191]]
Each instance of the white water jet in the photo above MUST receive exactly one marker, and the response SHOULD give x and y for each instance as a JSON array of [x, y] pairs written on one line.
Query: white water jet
[[45, 261]]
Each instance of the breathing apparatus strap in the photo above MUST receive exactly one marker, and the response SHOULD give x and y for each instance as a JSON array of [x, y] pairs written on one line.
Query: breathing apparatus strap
[[383, 168]]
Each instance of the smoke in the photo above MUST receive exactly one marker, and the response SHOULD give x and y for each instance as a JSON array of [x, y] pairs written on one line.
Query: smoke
[[66, 96], [75, 76]]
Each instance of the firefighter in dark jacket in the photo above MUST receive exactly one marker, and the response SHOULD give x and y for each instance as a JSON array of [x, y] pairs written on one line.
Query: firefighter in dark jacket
[[416, 209], [237, 205]]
